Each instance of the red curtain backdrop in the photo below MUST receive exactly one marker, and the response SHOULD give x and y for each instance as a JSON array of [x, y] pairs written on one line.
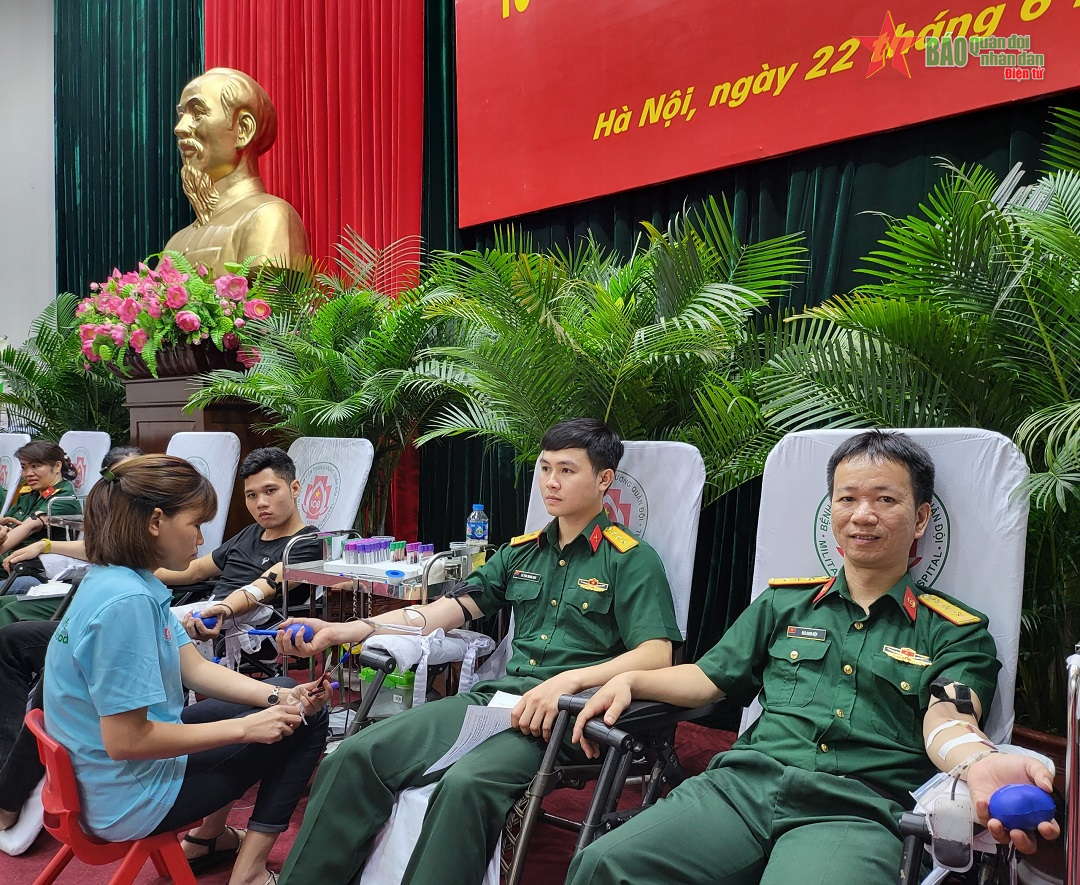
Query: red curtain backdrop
[[347, 78]]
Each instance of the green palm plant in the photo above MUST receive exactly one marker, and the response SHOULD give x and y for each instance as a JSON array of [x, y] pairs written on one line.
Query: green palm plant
[[647, 344], [974, 320], [332, 359], [47, 386]]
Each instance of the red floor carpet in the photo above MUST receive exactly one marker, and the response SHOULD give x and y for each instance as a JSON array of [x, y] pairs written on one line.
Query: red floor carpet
[[549, 855]]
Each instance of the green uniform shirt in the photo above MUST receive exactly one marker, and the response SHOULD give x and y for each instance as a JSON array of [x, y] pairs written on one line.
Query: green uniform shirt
[[29, 502], [834, 699], [578, 606]]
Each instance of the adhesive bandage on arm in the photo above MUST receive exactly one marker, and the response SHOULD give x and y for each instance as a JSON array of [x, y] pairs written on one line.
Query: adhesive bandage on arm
[[254, 592]]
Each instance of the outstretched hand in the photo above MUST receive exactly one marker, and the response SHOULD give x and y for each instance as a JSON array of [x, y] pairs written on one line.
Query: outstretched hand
[[292, 642], [998, 770]]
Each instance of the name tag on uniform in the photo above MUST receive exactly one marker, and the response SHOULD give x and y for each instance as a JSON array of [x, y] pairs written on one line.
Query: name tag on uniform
[[806, 633], [526, 576]]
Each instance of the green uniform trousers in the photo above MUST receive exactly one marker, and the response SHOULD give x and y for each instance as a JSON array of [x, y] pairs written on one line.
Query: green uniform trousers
[[354, 790], [13, 609], [749, 819]]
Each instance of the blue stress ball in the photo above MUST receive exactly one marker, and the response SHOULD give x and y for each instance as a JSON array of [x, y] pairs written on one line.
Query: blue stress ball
[[1021, 806], [209, 622], [308, 631]]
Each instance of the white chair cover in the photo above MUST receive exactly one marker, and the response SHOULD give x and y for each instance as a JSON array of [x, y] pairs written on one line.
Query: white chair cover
[[85, 449], [973, 548], [215, 455], [10, 470], [657, 495], [332, 474]]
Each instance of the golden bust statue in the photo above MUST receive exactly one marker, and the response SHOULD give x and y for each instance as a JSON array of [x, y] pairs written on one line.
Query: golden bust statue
[[226, 121]]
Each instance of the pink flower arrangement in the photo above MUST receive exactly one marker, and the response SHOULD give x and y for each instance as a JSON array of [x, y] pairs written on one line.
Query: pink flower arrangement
[[175, 302]]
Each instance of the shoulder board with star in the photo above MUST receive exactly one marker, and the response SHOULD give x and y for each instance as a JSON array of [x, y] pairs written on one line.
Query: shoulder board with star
[[518, 540], [950, 612], [798, 582], [619, 539], [25, 490]]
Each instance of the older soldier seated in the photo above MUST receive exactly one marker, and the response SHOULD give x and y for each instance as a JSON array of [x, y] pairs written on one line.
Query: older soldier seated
[[813, 791]]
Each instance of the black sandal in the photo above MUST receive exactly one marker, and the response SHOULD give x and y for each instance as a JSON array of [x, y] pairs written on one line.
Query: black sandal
[[213, 856]]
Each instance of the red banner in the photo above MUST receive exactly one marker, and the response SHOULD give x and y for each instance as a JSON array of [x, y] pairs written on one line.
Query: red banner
[[563, 100]]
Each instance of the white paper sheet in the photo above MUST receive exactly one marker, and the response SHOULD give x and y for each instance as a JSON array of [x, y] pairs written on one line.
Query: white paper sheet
[[48, 590], [480, 724], [504, 699]]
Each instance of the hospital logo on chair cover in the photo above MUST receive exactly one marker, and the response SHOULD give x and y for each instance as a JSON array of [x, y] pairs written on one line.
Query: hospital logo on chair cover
[[317, 498], [199, 464], [927, 556], [78, 461], [5, 470], [626, 504]]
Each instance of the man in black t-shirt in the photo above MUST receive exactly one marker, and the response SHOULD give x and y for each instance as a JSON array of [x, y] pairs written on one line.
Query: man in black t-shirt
[[247, 568]]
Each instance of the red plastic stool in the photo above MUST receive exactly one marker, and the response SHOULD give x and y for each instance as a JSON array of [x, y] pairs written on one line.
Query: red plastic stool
[[60, 797]]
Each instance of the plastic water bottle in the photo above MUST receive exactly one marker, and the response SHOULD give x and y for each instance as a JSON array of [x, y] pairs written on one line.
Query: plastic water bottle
[[476, 526], [476, 534]]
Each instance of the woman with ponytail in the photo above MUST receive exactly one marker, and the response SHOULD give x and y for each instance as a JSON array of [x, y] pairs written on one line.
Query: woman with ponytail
[[115, 679]]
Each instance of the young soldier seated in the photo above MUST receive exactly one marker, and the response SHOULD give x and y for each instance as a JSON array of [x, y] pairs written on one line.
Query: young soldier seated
[[813, 791], [589, 601]]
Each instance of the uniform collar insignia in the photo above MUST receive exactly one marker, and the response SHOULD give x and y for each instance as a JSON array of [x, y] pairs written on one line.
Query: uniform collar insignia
[[595, 537], [911, 603], [825, 588]]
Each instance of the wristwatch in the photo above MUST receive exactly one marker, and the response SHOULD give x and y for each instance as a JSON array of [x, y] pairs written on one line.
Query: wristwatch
[[274, 697]]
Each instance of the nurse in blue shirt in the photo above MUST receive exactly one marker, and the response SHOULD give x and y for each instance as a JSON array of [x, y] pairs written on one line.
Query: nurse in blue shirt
[[115, 680]]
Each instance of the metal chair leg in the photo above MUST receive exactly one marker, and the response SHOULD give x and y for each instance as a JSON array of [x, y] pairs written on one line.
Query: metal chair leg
[[545, 780]]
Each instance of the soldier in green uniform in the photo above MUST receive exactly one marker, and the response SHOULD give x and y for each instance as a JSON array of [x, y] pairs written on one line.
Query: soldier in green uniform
[[589, 601], [46, 473], [868, 685]]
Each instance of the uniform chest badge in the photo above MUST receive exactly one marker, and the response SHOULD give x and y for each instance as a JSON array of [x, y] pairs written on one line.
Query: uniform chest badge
[[523, 575], [592, 584], [907, 656]]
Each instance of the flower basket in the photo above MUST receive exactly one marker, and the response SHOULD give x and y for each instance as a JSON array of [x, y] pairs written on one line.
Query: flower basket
[[175, 319], [175, 360]]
